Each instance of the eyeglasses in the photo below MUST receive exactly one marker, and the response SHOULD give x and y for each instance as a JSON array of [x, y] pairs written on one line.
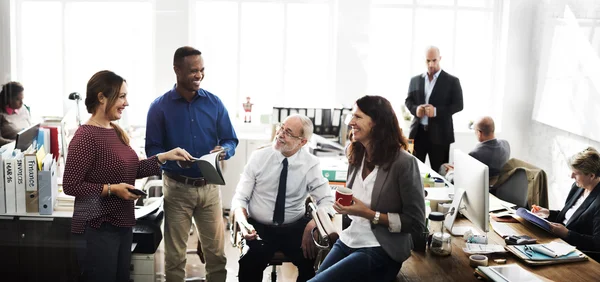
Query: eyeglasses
[[286, 131]]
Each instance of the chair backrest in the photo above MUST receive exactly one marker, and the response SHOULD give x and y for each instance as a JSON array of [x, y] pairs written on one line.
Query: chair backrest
[[514, 189]]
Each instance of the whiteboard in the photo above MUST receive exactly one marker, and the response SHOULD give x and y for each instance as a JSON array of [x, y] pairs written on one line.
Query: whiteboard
[[568, 84]]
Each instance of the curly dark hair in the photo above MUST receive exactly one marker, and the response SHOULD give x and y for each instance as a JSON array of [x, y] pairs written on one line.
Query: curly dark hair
[[10, 92], [387, 138]]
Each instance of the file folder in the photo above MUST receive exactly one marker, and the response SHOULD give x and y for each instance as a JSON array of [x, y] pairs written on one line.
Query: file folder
[[31, 182], [10, 188], [48, 189]]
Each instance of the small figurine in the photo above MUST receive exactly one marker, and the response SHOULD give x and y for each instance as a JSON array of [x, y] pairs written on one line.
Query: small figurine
[[247, 110]]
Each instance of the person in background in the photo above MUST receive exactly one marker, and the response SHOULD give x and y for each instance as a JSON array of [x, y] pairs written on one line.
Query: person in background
[[14, 115], [388, 207], [192, 118], [433, 97], [270, 201], [490, 151], [578, 223], [99, 170]]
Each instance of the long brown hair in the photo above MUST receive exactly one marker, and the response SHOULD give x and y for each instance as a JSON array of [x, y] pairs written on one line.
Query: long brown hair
[[109, 83], [386, 135]]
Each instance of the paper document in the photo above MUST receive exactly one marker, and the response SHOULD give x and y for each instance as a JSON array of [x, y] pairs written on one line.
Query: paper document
[[554, 248], [483, 248], [209, 165]]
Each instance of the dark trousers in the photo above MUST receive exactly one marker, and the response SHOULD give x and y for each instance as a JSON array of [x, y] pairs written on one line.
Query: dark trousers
[[104, 254], [345, 264], [438, 153], [287, 239]]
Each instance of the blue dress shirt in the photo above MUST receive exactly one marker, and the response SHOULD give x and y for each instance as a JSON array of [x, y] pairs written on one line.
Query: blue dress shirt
[[197, 126]]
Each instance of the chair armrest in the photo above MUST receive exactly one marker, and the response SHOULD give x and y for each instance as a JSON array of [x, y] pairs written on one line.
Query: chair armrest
[[326, 232], [234, 230]]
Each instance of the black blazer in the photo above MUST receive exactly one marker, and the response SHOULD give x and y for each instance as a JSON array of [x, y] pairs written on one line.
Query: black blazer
[[584, 225], [446, 97]]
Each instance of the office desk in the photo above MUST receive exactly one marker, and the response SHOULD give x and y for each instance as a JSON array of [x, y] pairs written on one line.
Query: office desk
[[428, 267], [36, 247]]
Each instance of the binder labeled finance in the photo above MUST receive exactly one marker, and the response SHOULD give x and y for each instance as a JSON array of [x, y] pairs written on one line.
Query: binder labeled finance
[[31, 182]]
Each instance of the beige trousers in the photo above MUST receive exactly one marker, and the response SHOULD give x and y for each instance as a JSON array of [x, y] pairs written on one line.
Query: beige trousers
[[182, 202]]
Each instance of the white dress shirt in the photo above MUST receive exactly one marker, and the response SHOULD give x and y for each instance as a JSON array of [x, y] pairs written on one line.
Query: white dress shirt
[[428, 88], [259, 183], [359, 234], [575, 206]]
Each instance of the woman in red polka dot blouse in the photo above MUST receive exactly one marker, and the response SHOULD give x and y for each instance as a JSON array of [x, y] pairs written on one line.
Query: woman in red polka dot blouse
[[100, 167]]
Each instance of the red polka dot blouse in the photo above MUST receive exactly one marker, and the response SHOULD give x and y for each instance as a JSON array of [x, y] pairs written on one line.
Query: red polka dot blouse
[[98, 157]]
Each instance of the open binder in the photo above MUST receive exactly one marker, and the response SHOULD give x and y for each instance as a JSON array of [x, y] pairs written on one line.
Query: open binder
[[534, 219], [209, 165]]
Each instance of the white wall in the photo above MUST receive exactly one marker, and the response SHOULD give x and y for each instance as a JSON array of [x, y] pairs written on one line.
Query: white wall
[[547, 147], [536, 143], [539, 144], [5, 61]]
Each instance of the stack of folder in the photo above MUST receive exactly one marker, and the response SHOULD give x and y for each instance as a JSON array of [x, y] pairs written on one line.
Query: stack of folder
[[28, 179], [64, 202], [542, 254]]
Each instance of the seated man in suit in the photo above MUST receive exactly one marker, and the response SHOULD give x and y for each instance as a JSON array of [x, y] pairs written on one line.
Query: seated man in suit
[[491, 151], [269, 202]]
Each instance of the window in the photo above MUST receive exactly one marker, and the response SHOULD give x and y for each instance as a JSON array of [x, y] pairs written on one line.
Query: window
[[269, 51], [293, 53], [61, 44], [465, 32]]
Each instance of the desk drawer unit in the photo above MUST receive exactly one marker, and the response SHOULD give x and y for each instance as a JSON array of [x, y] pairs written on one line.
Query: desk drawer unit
[[142, 267]]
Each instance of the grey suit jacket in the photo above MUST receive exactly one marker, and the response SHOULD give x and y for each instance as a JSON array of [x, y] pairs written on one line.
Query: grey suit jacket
[[493, 153], [398, 189]]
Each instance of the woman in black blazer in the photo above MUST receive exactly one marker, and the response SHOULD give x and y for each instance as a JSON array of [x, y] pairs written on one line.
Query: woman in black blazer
[[578, 223]]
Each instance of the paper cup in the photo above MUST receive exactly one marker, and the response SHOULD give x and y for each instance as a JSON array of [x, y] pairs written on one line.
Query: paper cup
[[343, 195]]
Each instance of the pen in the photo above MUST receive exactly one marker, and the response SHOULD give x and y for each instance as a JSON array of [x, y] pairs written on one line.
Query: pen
[[550, 251], [526, 251]]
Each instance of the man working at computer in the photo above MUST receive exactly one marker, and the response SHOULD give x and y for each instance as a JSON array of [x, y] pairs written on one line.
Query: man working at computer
[[269, 202], [491, 151]]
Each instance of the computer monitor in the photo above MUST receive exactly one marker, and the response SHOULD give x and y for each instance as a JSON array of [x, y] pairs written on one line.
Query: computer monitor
[[26, 137], [471, 194]]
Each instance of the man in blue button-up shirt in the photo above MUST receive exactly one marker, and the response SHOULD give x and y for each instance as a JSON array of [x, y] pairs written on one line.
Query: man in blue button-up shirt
[[196, 120]]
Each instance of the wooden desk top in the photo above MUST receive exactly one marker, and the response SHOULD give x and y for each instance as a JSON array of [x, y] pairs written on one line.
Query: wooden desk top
[[428, 267]]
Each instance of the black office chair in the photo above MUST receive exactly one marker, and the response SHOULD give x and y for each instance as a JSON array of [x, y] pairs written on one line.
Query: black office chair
[[237, 241], [514, 189]]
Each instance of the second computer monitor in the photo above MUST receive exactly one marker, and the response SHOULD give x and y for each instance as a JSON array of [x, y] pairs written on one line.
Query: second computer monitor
[[471, 193], [26, 137]]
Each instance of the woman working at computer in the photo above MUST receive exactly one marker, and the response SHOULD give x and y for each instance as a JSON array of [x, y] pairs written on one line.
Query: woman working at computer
[[388, 199], [100, 170], [14, 115], [578, 223]]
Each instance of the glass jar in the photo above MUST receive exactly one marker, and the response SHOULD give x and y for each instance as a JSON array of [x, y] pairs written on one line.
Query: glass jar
[[441, 242]]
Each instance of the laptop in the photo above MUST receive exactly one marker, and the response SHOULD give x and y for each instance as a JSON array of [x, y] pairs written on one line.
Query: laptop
[[26, 137]]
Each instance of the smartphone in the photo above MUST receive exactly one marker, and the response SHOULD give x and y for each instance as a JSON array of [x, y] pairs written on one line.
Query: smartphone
[[137, 192]]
